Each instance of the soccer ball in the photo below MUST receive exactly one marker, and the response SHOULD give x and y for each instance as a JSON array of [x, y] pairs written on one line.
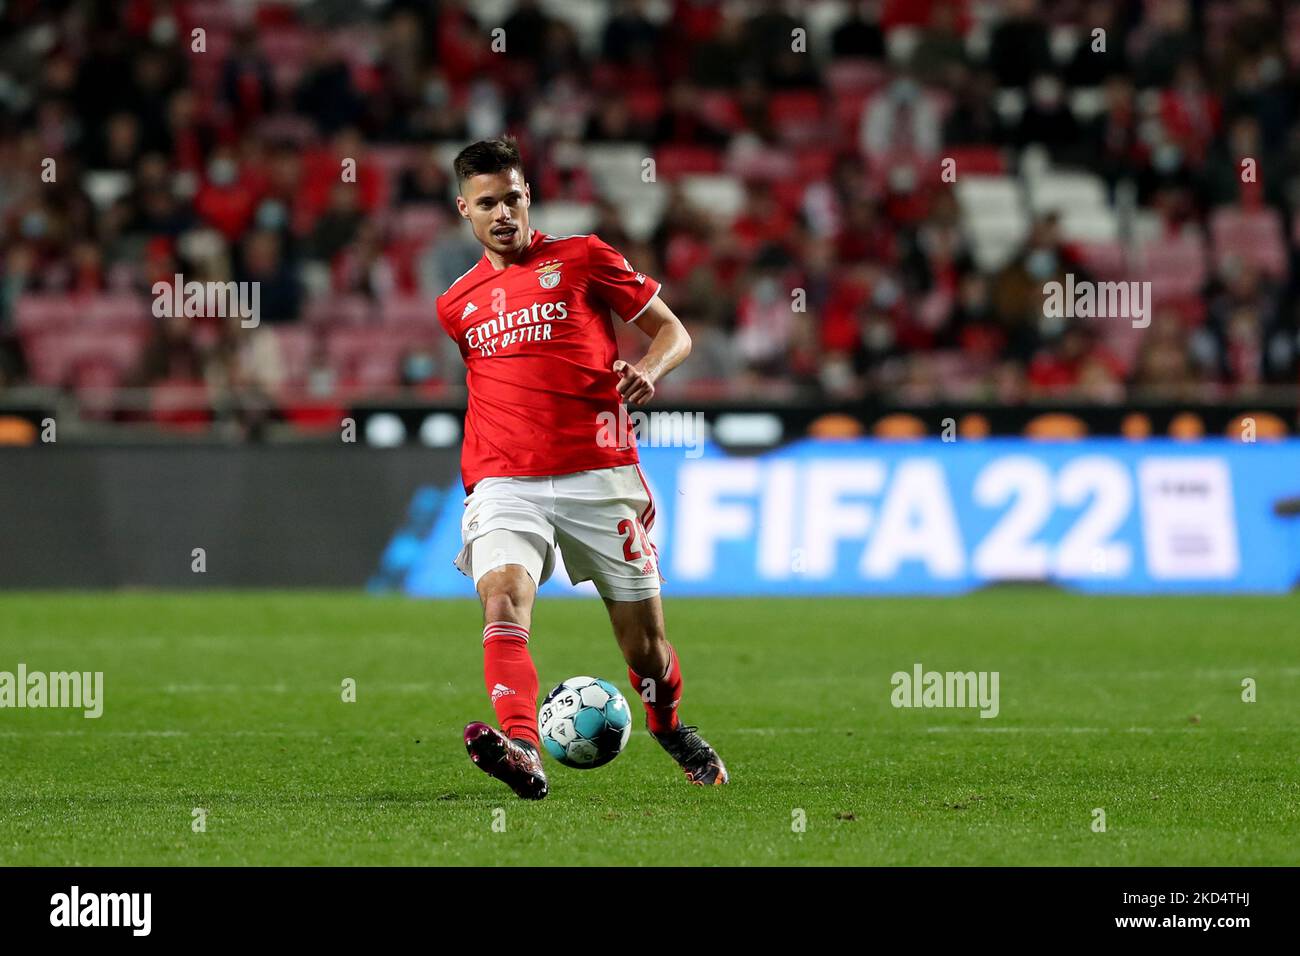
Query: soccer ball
[[584, 722]]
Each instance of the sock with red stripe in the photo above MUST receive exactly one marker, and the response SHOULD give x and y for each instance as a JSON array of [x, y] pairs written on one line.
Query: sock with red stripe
[[511, 679], [660, 696]]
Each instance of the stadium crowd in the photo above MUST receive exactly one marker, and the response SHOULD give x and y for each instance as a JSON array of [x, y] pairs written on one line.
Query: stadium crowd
[[846, 198]]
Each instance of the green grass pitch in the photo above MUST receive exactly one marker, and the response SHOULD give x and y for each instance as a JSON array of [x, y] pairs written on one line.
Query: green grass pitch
[[232, 703]]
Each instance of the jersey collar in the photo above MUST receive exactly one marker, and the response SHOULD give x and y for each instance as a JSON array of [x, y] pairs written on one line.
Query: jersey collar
[[533, 246]]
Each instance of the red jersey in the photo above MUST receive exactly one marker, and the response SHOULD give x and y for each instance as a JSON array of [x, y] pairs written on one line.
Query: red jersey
[[538, 341]]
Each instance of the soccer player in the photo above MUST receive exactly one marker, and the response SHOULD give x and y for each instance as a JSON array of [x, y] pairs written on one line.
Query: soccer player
[[533, 322]]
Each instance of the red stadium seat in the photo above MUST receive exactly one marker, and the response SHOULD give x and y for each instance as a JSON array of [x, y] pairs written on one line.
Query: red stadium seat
[[181, 405], [815, 162], [789, 193], [721, 109], [644, 105], [855, 76], [410, 311], [985, 160], [124, 310], [94, 382], [123, 276], [846, 114], [799, 117], [214, 13], [423, 222], [1174, 265], [340, 310], [1106, 260], [366, 357], [54, 355], [36, 313], [763, 164], [296, 344], [1254, 236], [674, 160], [311, 416]]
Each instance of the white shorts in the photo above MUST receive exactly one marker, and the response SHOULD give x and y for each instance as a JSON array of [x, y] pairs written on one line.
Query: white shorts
[[599, 520]]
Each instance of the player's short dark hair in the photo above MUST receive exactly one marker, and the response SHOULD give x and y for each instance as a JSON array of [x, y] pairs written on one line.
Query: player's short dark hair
[[488, 156]]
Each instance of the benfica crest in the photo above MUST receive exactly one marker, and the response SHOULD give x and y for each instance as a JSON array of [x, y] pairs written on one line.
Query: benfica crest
[[548, 275]]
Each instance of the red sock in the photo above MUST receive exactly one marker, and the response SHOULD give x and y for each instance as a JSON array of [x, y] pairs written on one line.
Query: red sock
[[660, 696], [511, 679]]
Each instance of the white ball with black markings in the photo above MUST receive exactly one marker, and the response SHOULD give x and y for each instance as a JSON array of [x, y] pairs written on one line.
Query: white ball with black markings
[[584, 722]]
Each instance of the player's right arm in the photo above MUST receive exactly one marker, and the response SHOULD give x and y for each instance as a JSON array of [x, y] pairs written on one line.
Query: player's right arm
[[670, 343]]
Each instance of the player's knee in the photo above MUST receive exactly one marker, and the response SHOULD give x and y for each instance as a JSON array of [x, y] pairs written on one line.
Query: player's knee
[[642, 639], [505, 606], [506, 593]]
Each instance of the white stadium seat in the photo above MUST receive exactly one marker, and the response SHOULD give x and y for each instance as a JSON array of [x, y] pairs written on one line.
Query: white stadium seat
[[641, 216], [616, 168], [994, 217], [563, 218], [720, 196], [1089, 225], [977, 192], [1067, 192]]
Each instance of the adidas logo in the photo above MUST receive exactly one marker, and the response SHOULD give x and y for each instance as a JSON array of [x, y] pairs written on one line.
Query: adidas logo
[[501, 690], [469, 307], [649, 568]]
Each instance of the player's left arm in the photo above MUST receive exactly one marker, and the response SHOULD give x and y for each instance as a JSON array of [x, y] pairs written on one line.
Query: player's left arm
[[670, 343]]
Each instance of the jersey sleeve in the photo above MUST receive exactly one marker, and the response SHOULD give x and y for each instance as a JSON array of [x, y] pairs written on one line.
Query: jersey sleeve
[[437, 311], [614, 282]]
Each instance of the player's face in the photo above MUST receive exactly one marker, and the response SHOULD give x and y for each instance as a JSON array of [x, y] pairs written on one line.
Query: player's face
[[496, 204]]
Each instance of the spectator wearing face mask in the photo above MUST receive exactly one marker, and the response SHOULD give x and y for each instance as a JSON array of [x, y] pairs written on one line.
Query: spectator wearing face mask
[[1018, 295], [226, 200], [263, 261]]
